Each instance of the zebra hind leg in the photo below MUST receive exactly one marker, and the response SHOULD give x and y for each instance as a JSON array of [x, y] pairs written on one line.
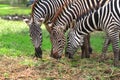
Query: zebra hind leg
[[104, 49], [114, 36]]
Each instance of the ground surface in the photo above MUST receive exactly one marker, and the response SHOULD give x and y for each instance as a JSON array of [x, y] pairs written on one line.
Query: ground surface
[[28, 68]]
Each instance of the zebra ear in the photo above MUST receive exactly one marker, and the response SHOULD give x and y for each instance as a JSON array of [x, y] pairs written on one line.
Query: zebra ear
[[72, 24], [61, 29], [41, 19], [27, 21], [50, 25]]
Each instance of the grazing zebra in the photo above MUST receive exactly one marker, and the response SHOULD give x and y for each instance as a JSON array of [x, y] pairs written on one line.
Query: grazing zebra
[[106, 18], [66, 19], [42, 12]]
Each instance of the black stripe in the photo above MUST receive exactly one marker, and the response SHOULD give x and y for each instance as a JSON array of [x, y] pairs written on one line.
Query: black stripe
[[86, 25], [91, 21], [96, 18]]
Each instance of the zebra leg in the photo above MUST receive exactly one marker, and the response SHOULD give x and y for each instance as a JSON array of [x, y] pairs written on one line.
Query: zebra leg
[[83, 50], [89, 46], [104, 49], [119, 54], [86, 49], [114, 36]]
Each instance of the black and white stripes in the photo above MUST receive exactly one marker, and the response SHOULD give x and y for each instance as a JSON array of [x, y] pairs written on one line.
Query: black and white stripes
[[66, 20], [107, 19], [42, 12]]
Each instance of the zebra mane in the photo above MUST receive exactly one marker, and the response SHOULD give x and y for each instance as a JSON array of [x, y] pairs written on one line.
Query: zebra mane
[[101, 3], [33, 5], [59, 11]]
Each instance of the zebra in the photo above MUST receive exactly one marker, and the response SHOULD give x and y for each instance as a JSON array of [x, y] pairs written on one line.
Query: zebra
[[42, 12], [106, 18], [66, 19]]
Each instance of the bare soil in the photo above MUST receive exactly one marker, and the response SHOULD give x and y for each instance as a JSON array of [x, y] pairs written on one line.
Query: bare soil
[[28, 68]]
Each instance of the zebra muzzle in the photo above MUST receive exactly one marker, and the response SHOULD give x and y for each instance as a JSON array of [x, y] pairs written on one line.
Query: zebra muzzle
[[55, 55]]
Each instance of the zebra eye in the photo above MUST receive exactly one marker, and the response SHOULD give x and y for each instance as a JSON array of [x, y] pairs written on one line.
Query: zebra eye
[[59, 41]]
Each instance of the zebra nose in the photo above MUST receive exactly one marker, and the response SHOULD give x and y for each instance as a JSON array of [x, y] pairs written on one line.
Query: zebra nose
[[55, 55], [67, 54]]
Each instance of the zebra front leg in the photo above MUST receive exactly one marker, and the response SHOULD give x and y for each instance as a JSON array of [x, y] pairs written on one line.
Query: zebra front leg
[[86, 49], [104, 49]]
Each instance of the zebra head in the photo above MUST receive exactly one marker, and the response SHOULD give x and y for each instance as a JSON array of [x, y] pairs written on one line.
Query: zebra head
[[73, 42], [35, 32], [58, 42]]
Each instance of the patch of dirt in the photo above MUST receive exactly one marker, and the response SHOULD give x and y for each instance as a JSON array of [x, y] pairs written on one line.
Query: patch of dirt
[[27, 68]]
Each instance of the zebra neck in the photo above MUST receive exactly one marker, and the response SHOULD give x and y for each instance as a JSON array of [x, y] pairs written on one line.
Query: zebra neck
[[87, 24], [97, 20], [46, 9], [76, 9]]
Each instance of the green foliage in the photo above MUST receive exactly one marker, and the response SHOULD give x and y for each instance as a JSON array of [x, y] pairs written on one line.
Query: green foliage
[[15, 39], [9, 10], [97, 41]]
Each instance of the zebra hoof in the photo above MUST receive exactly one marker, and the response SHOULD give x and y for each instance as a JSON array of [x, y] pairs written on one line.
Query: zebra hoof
[[117, 64], [67, 54], [86, 56], [102, 58], [55, 56], [90, 50], [38, 52]]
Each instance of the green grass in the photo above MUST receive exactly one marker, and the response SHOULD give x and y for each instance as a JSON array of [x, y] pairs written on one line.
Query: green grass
[[16, 35], [97, 41], [15, 39], [9, 10]]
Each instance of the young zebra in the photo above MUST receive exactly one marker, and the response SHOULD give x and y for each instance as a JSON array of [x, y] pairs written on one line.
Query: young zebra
[[64, 21], [107, 19], [42, 12]]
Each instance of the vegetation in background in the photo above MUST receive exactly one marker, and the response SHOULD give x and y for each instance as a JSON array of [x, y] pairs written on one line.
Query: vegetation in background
[[15, 39], [10, 10], [15, 34]]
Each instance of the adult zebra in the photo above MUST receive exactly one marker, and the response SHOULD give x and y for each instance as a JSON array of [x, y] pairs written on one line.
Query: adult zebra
[[63, 22], [107, 19], [42, 12]]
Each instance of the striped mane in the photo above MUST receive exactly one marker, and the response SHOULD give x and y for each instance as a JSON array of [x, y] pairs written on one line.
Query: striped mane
[[33, 5], [100, 3], [59, 11]]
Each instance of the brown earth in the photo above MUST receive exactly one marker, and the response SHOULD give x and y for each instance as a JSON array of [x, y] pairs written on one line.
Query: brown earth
[[28, 68]]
